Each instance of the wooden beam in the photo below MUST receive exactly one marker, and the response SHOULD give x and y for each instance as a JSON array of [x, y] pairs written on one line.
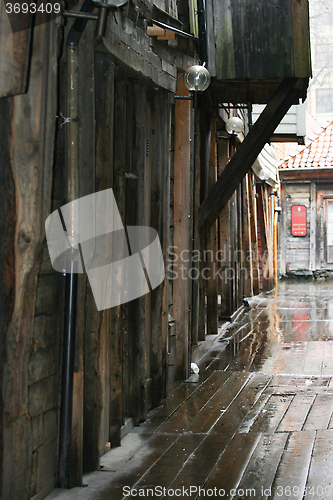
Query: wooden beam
[[212, 306], [283, 230], [181, 292], [247, 152]]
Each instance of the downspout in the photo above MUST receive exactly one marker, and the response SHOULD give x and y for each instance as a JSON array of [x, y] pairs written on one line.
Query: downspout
[[203, 53], [202, 26], [72, 145]]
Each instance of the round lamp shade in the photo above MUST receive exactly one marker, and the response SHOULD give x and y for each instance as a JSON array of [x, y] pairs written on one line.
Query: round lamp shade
[[197, 78], [234, 125]]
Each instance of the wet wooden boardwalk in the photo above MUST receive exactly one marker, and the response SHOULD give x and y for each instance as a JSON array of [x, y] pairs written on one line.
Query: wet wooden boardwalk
[[257, 422], [238, 435]]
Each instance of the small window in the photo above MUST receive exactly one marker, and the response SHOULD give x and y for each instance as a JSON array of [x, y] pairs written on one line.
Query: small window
[[324, 100], [324, 55]]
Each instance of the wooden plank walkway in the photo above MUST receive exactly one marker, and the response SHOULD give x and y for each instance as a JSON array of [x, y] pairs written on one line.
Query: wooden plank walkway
[[235, 435], [257, 422]]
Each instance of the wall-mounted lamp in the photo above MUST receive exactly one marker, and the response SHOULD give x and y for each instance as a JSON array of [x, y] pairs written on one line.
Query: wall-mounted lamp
[[197, 78], [234, 125]]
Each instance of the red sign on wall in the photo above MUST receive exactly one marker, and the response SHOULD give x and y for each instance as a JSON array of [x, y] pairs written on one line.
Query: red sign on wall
[[298, 220]]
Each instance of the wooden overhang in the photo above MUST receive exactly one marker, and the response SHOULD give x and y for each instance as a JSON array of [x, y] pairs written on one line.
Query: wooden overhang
[[288, 91], [308, 174], [253, 45], [258, 53]]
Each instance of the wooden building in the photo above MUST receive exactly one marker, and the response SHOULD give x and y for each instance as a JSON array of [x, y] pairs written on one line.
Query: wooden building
[[306, 224], [82, 113]]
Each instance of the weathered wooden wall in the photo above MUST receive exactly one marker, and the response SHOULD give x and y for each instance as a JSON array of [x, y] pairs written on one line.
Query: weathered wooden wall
[[297, 247], [14, 56], [304, 252], [135, 139], [257, 40], [31, 368], [261, 40]]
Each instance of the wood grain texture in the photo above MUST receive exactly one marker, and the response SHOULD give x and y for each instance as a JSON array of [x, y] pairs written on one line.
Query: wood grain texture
[[15, 57], [181, 225], [31, 162]]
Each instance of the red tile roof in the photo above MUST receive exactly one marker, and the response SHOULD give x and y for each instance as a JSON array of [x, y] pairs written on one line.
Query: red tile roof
[[317, 154]]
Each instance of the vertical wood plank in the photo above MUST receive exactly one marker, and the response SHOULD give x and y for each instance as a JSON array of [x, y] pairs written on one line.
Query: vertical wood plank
[[254, 234], [181, 225], [160, 189], [7, 269], [246, 254], [224, 239], [104, 77], [31, 157], [138, 335], [143, 160], [212, 312], [205, 151], [86, 186], [119, 169], [294, 467], [196, 284], [283, 233], [320, 474]]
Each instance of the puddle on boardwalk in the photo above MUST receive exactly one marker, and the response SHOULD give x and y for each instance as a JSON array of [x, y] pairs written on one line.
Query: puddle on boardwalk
[[288, 330]]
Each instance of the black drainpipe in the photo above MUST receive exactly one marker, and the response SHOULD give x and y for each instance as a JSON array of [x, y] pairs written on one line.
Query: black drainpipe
[[202, 25], [72, 140]]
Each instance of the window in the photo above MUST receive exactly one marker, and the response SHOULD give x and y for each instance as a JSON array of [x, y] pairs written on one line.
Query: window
[[321, 13], [324, 100], [324, 55]]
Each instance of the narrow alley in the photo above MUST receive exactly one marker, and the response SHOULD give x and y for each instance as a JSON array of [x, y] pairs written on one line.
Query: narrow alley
[[256, 422]]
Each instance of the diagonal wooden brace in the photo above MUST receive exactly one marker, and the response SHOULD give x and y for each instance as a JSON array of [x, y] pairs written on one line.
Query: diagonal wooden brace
[[287, 93]]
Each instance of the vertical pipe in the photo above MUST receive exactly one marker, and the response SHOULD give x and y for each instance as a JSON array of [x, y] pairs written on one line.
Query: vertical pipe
[[193, 323], [72, 140], [202, 25]]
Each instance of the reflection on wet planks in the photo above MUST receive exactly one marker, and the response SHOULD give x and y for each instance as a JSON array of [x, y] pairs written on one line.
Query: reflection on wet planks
[[319, 484], [293, 469], [181, 418]]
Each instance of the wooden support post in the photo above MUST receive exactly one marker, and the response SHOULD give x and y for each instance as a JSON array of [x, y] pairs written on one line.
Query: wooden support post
[[211, 247], [313, 205], [239, 248], [282, 228], [86, 186], [247, 152], [252, 211], [97, 324], [205, 150], [160, 189], [196, 326], [143, 157], [181, 226], [224, 240], [119, 187], [246, 247]]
